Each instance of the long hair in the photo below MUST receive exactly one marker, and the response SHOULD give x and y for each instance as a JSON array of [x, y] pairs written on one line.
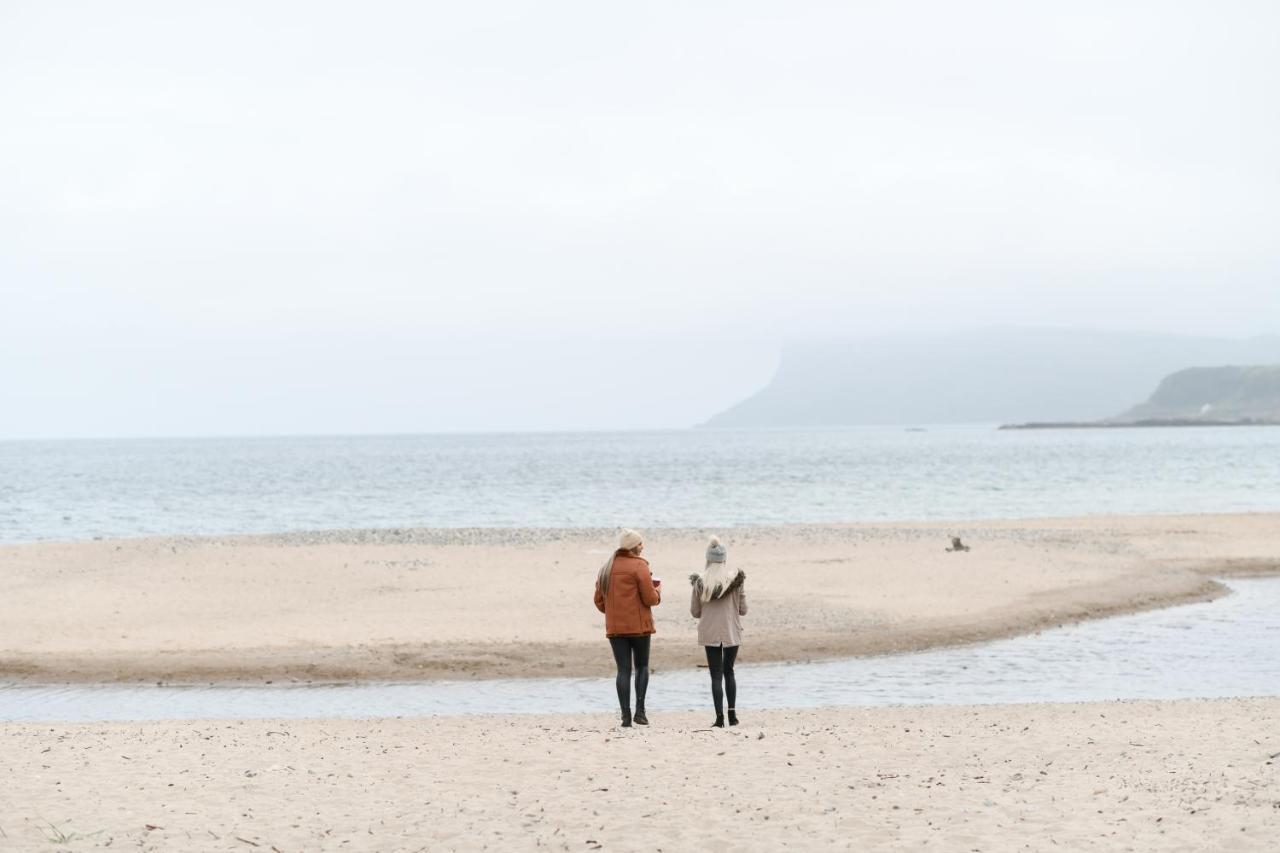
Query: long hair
[[628, 542], [606, 571], [716, 577]]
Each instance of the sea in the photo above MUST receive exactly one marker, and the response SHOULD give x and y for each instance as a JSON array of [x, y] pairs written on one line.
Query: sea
[[85, 489]]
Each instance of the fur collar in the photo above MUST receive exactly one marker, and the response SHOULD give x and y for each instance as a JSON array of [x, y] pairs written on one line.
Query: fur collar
[[695, 580]]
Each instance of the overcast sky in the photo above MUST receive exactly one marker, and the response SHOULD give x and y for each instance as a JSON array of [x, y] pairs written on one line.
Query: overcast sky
[[394, 216]]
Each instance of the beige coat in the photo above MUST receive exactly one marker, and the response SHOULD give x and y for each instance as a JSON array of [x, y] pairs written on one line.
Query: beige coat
[[719, 622]]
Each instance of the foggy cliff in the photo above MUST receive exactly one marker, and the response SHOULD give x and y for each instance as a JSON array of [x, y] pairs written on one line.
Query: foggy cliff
[[978, 376]]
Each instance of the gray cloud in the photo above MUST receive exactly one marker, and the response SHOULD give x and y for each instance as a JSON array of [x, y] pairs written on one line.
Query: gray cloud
[[226, 186]]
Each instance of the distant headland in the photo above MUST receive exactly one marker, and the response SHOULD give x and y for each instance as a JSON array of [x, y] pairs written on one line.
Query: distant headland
[[1196, 396], [1005, 375]]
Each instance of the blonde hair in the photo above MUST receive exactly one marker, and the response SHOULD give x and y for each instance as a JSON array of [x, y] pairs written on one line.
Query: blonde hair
[[628, 541], [716, 577]]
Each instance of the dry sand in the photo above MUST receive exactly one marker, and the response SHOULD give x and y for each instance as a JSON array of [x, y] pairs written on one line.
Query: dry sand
[[466, 603], [1186, 776]]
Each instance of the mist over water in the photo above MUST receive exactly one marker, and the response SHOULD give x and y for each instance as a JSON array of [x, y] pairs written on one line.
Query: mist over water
[[71, 490], [299, 218]]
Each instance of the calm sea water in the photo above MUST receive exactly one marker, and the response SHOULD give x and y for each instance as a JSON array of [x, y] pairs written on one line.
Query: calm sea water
[[82, 489]]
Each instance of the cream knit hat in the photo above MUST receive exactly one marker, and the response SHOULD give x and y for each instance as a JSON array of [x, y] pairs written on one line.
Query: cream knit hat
[[629, 540]]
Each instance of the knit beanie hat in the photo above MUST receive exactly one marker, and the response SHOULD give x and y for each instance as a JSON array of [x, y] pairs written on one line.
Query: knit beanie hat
[[716, 552], [629, 540]]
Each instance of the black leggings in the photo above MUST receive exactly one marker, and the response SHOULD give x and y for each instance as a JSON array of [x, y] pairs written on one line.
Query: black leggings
[[720, 660], [624, 650]]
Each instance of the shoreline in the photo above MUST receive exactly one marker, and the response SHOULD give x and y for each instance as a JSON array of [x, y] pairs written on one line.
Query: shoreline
[[452, 603], [285, 667], [480, 534], [1151, 423]]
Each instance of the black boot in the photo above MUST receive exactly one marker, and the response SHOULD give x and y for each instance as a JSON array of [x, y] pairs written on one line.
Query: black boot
[[719, 723], [626, 719], [640, 718], [733, 717]]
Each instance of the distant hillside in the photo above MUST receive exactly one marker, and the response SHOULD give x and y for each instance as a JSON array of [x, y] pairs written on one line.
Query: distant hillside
[[980, 376], [1215, 394]]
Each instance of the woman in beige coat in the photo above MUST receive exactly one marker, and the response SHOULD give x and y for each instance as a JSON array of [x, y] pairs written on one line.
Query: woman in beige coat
[[719, 600]]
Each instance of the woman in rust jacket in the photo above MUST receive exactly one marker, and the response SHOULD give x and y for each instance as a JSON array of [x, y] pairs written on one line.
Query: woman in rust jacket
[[625, 590]]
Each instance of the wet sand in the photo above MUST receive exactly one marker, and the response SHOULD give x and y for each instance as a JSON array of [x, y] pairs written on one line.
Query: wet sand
[[409, 604], [1150, 776]]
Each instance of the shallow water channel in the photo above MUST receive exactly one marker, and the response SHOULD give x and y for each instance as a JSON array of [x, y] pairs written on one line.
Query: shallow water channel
[[1228, 647]]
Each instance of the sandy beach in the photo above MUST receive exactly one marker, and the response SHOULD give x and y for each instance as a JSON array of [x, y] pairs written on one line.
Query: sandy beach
[[408, 604], [1169, 776]]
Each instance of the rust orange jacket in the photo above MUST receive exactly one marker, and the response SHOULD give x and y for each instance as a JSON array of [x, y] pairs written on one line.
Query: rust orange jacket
[[631, 594]]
